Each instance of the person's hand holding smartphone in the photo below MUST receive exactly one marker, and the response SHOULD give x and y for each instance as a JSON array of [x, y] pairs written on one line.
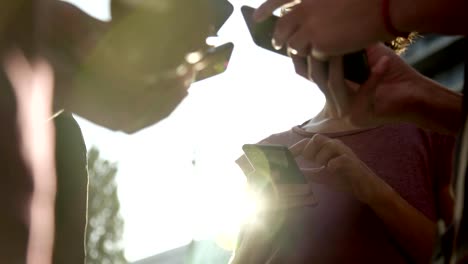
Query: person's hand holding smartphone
[[355, 66], [277, 174]]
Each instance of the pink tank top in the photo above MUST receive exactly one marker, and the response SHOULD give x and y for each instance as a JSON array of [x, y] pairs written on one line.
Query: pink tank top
[[340, 229]]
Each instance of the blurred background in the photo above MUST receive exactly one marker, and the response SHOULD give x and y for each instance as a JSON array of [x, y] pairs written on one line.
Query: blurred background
[[172, 192]]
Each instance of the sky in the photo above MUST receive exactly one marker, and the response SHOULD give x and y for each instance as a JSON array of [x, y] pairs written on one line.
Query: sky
[[166, 200]]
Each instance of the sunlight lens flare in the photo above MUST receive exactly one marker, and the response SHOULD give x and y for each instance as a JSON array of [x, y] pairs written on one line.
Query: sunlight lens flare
[[243, 212]]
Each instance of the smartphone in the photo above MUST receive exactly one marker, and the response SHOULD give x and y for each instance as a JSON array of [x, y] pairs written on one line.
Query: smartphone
[[274, 164], [355, 65], [214, 62], [221, 11]]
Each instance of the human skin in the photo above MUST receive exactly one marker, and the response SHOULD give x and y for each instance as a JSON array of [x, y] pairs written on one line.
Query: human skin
[[394, 93], [338, 27], [343, 171]]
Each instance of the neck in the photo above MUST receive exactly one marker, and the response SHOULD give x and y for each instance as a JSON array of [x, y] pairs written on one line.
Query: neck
[[328, 121], [328, 113]]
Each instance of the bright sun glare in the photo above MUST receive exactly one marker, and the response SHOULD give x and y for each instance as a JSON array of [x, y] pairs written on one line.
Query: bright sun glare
[[177, 180]]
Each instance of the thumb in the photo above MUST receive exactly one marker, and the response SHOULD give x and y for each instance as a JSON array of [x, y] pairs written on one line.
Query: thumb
[[366, 91], [377, 72], [297, 148], [317, 175]]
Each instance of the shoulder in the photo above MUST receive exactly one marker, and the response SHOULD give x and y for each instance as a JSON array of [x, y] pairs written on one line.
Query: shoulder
[[413, 131]]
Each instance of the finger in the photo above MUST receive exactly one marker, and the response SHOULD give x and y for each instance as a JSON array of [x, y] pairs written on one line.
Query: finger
[[377, 51], [313, 146], [317, 72], [328, 151], [336, 87], [285, 27], [377, 72], [317, 175], [290, 50], [324, 174], [336, 165], [381, 66], [300, 65], [299, 40], [364, 95], [266, 9], [297, 148]]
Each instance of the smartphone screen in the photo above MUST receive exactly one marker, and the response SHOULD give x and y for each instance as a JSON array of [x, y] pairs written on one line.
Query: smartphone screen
[[275, 161], [355, 65], [215, 61]]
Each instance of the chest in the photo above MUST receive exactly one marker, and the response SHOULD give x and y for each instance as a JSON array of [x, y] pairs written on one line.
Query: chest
[[406, 163]]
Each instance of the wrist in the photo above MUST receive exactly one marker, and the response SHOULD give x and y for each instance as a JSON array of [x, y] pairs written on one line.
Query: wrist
[[434, 16], [373, 190], [411, 100], [381, 194], [443, 106]]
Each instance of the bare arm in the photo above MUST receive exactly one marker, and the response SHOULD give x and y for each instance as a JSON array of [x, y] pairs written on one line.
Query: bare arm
[[344, 171], [391, 208], [394, 93], [440, 16], [409, 227], [436, 107]]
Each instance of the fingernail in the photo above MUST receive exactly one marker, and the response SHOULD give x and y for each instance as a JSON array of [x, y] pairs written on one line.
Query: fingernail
[[275, 45], [291, 51]]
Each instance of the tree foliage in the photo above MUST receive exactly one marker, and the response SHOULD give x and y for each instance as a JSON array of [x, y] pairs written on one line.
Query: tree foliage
[[105, 225]]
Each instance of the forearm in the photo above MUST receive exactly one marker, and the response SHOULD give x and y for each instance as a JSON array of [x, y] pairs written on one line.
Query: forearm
[[436, 107], [438, 16], [413, 231]]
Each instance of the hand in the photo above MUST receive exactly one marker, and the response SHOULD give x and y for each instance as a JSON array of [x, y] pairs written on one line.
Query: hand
[[389, 95], [338, 167], [332, 27]]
